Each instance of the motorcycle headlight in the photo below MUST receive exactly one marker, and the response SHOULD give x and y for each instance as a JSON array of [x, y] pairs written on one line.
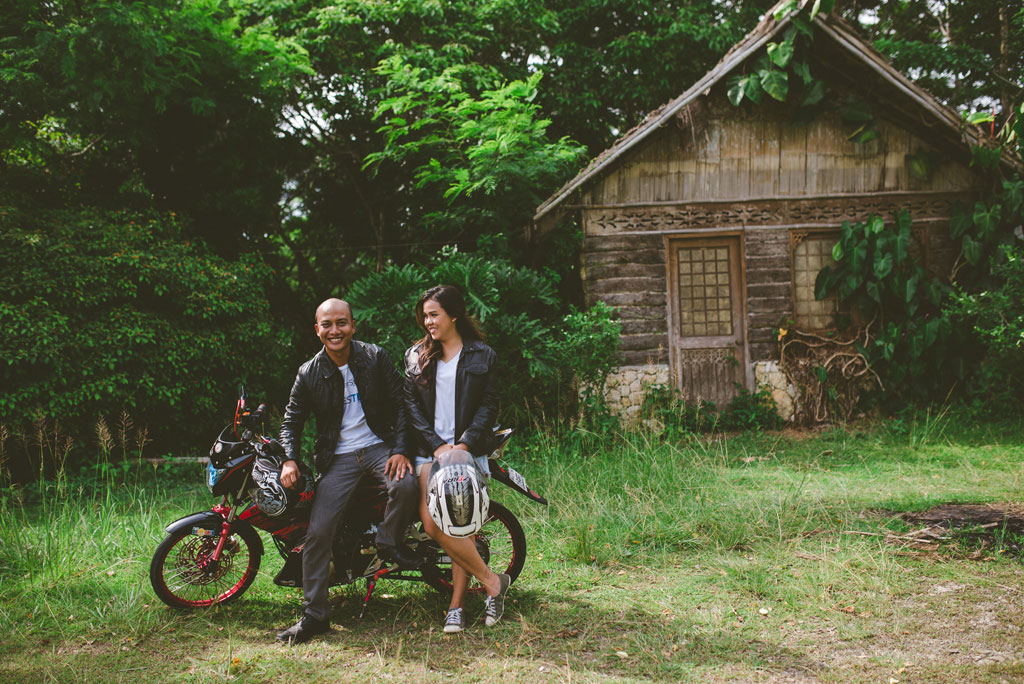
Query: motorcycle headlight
[[214, 475]]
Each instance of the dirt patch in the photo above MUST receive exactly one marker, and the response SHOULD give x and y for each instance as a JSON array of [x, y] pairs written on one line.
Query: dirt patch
[[982, 526], [959, 516]]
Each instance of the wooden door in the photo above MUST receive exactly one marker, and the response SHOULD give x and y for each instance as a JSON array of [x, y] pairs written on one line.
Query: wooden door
[[706, 332]]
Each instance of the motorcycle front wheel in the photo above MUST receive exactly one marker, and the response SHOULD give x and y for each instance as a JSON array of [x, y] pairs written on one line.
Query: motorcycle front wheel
[[184, 576], [501, 543]]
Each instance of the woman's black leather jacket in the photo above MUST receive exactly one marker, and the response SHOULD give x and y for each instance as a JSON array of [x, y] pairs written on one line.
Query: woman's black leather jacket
[[476, 401]]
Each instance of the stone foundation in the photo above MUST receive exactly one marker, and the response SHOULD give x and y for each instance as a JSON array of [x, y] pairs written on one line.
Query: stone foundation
[[624, 389], [767, 374]]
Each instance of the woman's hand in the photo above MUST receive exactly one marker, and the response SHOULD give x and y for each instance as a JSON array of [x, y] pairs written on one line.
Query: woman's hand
[[448, 447]]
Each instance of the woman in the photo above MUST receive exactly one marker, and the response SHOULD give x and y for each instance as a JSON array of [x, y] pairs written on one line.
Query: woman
[[451, 398]]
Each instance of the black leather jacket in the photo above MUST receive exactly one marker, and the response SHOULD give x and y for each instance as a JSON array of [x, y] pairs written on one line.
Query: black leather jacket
[[319, 389], [476, 401]]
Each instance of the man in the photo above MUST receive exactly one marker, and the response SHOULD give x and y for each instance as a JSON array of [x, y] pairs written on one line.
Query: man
[[355, 392]]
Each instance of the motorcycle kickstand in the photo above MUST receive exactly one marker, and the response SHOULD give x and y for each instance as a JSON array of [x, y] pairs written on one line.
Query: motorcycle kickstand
[[371, 582]]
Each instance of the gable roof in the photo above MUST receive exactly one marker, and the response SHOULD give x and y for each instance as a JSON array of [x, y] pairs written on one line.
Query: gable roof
[[829, 25]]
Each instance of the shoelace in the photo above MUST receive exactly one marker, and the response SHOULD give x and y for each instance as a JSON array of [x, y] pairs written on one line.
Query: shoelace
[[454, 617]]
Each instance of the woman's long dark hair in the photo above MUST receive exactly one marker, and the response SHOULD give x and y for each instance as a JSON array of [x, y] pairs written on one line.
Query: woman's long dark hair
[[454, 304]]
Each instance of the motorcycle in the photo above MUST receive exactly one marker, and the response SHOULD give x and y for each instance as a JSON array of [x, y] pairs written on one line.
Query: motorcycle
[[212, 557]]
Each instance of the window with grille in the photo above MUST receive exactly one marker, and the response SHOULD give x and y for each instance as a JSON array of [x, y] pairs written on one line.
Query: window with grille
[[705, 302], [810, 254]]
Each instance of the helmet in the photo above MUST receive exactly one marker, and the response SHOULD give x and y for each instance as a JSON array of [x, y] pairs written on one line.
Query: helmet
[[273, 498], [457, 494]]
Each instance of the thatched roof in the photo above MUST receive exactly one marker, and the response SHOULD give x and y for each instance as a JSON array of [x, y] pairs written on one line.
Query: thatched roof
[[831, 27]]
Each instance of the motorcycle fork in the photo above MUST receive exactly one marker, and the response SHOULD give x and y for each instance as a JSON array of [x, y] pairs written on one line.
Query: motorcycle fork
[[225, 528]]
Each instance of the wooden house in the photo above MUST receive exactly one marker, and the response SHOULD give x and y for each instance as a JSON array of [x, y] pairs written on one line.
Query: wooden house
[[706, 224]]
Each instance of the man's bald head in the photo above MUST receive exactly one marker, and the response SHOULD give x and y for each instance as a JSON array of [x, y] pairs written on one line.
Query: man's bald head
[[332, 306], [335, 326]]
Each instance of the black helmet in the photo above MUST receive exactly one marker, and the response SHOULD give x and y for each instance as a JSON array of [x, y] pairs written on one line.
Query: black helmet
[[457, 494], [273, 498]]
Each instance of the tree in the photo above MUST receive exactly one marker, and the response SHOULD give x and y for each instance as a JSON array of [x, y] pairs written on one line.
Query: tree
[[473, 166], [613, 61], [164, 104], [345, 220], [968, 53]]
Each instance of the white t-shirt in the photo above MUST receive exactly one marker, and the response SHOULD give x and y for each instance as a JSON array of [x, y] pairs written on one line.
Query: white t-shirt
[[444, 398], [355, 433]]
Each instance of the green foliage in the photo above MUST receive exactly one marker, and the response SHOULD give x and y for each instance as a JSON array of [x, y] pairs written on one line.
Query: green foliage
[[751, 411], [589, 346], [606, 64], [541, 354], [666, 409], [968, 53], [988, 278], [610, 62], [481, 163], [988, 225], [109, 311], [783, 71], [996, 316], [913, 346], [167, 104]]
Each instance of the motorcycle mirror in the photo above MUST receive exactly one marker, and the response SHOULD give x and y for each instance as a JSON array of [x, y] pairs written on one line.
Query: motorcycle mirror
[[239, 408]]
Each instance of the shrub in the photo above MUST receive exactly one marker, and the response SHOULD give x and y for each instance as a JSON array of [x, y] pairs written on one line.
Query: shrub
[[996, 315], [666, 409], [105, 311], [751, 411], [912, 346]]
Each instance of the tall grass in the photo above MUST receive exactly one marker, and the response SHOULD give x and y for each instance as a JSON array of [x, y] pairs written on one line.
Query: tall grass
[[75, 542], [632, 496], [75, 549], [639, 497]]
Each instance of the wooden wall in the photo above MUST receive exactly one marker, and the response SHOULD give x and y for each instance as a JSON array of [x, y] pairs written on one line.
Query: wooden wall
[[739, 153], [629, 274]]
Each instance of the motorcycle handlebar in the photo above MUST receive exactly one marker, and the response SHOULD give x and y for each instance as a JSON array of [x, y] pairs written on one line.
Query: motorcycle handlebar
[[252, 420]]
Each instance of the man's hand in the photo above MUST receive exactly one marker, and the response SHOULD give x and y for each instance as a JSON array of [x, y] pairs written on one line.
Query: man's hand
[[289, 474], [397, 466], [442, 449]]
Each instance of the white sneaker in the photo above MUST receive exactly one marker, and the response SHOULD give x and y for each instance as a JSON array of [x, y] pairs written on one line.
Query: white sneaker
[[454, 622]]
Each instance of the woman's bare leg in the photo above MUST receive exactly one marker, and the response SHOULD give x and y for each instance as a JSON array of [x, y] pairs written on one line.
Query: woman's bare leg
[[466, 559]]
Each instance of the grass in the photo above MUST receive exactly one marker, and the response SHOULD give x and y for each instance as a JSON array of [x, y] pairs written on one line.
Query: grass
[[756, 557]]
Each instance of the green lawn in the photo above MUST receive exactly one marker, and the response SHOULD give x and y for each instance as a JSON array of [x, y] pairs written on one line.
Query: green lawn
[[745, 558]]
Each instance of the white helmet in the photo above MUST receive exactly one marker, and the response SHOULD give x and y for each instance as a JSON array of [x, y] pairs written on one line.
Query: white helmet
[[457, 494]]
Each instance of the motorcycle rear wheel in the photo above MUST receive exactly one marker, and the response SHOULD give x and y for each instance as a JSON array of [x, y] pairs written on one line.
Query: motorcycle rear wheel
[[183, 577], [502, 545]]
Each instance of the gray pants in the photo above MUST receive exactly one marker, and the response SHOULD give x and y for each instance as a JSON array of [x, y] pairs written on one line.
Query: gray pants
[[332, 496]]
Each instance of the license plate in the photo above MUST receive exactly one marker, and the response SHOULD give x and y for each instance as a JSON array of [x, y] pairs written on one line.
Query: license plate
[[518, 479]]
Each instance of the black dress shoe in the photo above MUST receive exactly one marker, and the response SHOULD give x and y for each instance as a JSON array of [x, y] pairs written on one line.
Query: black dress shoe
[[304, 630], [399, 555]]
